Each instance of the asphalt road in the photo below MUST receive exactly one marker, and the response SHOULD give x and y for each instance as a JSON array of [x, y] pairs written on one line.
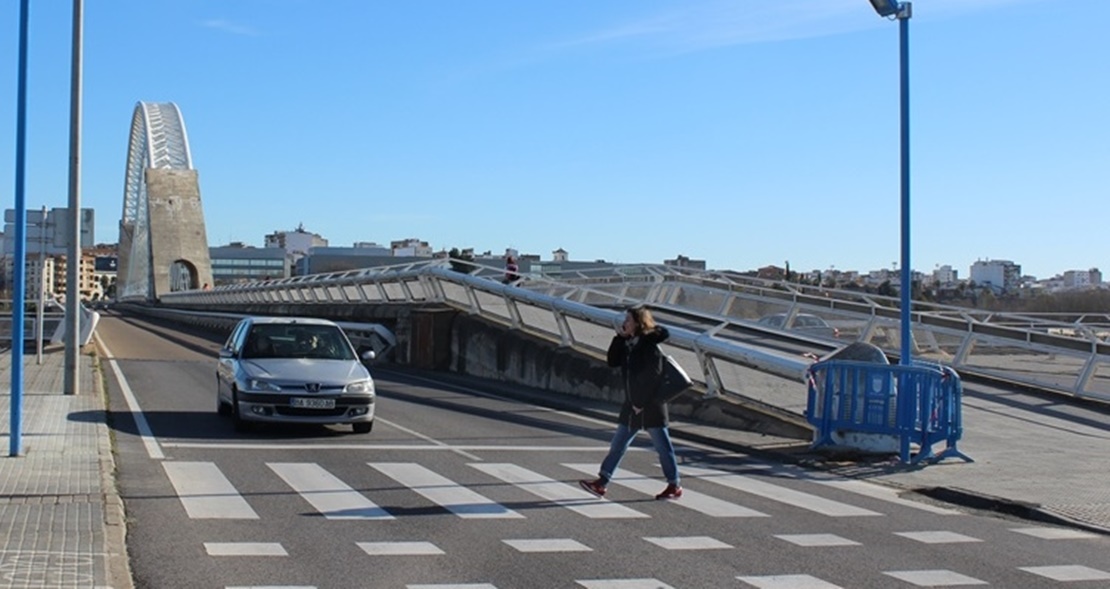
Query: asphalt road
[[458, 487]]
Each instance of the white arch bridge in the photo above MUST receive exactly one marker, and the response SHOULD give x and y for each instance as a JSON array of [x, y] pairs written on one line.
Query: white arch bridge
[[163, 246]]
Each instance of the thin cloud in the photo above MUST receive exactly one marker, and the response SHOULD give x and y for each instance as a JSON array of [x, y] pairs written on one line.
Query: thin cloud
[[230, 27], [722, 23]]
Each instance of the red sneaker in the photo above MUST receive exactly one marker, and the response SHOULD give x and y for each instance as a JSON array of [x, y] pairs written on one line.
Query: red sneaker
[[595, 487], [671, 492]]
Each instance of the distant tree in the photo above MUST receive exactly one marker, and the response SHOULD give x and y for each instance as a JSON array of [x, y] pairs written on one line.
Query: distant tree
[[887, 289], [459, 260]]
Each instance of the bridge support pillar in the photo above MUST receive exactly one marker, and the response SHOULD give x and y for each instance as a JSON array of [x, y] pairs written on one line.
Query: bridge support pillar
[[179, 242]]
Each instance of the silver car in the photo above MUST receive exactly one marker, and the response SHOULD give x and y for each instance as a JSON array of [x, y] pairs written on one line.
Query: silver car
[[293, 370]]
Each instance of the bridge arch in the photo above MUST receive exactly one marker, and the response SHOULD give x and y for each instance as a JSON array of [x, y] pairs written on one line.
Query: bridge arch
[[162, 232]]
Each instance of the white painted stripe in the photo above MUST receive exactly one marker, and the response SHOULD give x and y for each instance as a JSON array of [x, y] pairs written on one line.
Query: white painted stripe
[[451, 496], [699, 502], [934, 578], [205, 492], [429, 439], [624, 584], [399, 548], [270, 587], [887, 494], [453, 586], [329, 495], [937, 537], [778, 493], [571, 497], [1054, 533], [687, 542], [389, 447], [810, 540], [245, 549], [788, 582], [145, 434], [1068, 573], [548, 545]]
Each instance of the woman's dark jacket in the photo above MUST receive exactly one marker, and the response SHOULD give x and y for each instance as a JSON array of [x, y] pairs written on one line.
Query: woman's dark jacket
[[641, 365]]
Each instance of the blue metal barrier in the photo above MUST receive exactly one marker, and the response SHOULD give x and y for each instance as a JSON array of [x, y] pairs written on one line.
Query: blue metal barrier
[[919, 405]]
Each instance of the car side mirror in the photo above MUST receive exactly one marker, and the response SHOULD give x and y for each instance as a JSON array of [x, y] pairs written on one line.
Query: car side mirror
[[368, 355], [225, 353]]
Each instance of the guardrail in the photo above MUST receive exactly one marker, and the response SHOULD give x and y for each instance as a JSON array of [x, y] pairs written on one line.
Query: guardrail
[[578, 310]]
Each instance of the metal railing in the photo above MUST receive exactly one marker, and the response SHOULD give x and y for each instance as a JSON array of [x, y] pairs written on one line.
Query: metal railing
[[580, 309]]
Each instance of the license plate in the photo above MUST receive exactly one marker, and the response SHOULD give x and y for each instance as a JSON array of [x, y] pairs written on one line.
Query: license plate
[[309, 403]]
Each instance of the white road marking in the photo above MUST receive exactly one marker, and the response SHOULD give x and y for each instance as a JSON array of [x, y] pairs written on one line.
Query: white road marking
[[1068, 573], [453, 586], [937, 537], [624, 584], [934, 578], [788, 582], [1054, 533], [548, 545], [778, 493], [205, 492], [399, 548], [429, 439], [690, 499], [385, 447], [447, 494], [813, 540], [245, 549], [687, 542], [571, 497], [145, 434], [882, 493], [329, 495]]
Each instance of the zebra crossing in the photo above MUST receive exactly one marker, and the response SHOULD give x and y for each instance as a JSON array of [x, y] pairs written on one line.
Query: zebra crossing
[[206, 493]]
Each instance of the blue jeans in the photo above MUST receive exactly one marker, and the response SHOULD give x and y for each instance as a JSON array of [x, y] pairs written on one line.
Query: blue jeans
[[622, 439]]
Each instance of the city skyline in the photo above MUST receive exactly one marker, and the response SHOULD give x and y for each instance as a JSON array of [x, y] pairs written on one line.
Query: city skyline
[[733, 132]]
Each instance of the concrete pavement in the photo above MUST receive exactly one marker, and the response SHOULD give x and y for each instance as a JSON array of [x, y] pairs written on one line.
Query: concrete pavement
[[62, 523], [61, 520]]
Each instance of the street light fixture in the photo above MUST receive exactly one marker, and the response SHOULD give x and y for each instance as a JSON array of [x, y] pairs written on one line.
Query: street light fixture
[[902, 11]]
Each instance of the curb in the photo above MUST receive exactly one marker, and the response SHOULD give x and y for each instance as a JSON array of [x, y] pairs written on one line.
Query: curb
[[117, 565]]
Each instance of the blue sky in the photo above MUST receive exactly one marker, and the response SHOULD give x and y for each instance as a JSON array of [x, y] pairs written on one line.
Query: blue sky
[[741, 132]]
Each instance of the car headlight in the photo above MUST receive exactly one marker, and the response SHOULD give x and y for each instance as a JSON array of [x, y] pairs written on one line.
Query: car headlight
[[361, 387], [257, 384]]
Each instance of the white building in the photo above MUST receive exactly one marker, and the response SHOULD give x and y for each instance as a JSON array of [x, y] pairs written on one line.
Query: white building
[[296, 243], [411, 247], [946, 275], [998, 275], [1082, 278]]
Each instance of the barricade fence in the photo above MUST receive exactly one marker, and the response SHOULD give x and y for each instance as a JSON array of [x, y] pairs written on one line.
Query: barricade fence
[[877, 408]]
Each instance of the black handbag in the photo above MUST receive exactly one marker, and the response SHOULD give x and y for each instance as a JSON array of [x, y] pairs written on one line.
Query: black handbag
[[673, 382]]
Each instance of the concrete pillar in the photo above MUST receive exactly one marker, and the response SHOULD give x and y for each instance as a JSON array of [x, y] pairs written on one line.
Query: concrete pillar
[[177, 231]]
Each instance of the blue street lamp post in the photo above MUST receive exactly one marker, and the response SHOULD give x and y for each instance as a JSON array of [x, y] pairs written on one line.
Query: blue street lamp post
[[15, 440], [902, 11]]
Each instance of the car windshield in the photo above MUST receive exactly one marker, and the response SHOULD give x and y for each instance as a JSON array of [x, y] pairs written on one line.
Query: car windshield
[[808, 321], [324, 342]]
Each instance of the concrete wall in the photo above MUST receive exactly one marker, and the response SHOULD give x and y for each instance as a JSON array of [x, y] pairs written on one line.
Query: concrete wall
[[177, 219]]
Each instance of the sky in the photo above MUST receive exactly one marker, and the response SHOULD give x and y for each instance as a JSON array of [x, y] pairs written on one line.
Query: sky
[[740, 132]]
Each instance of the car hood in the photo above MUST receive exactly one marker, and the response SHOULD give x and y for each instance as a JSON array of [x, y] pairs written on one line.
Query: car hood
[[305, 370]]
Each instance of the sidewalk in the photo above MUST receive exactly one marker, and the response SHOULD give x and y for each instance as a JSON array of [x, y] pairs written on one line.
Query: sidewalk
[[61, 521]]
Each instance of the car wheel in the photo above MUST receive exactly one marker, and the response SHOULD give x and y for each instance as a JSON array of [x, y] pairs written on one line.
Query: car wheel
[[222, 408], [362, 427], [241, 425]]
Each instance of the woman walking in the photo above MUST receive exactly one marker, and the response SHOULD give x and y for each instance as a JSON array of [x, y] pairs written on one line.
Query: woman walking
[[635, 350]]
